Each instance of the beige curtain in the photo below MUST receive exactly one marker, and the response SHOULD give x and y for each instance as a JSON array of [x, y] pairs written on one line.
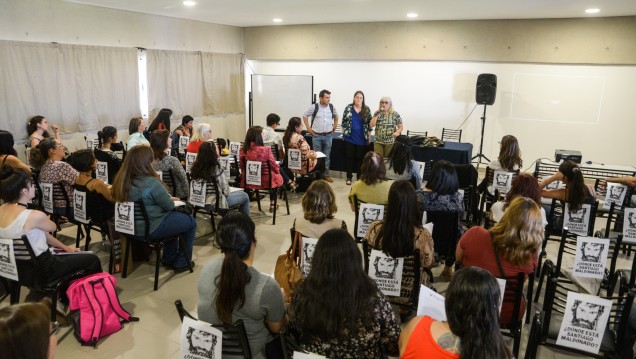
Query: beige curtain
[[79, 88], [195, 83]]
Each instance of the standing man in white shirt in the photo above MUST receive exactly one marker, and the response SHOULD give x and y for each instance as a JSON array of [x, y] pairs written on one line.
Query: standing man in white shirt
[[324, 120], [270, 137]]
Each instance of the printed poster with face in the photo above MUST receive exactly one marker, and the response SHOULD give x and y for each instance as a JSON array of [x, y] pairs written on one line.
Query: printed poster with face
[[502, 181], [420, 168], [184, 141], [79, 206], [253, 174], [47, 196], [591, 256], [629, 225], [387, 272], [235, 148], [554, 184], [368, 213], [190, 157], [577, 222], [8, 268], [584, 322], [125, 217], [197, 193], [199, 340], [225, 166], [101, 172], [431, 303], [308, 246], [615, 194], [91, 143], [294, 161]]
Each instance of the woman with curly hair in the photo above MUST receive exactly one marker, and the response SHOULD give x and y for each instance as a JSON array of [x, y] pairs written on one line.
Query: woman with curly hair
[[524, 185], [337, 310], [472, 329], [516, 239]]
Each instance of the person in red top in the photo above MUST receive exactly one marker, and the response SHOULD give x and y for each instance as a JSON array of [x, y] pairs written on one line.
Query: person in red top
[[202, 133], [254, 150], [472, 329], [517, 238]]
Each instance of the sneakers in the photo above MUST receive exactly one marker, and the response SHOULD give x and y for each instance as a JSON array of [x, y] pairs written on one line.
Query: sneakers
[[328, 179]]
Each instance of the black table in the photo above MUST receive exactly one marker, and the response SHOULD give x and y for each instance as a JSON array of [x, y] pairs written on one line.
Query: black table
[[454, 152]]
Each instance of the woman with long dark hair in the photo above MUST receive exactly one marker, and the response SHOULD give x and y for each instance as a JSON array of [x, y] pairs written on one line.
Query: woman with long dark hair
[[107, 140], [162, 121], [400, 164], [517, 239], [38, 129], [472, 330], [337, 310], [294, 140], [356, 129], [576, 192], [441, 194], [138, 181], [8, 154], [231, 289], [26, 332], [373, 186], [401, 232], [160, 142], [208, 169]]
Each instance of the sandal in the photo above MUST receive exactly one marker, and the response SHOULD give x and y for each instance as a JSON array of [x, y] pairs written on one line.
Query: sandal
[[272, 207], [348, 181], [292, 186]]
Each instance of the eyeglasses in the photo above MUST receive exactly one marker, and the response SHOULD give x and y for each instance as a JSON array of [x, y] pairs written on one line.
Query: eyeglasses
[[384, 102], [55, 327]]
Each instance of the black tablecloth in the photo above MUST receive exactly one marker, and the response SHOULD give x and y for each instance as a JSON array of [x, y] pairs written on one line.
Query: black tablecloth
[[458, 153]]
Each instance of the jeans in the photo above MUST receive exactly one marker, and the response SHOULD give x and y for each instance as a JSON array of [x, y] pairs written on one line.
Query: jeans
[[323, 144], [239, 198], [353, 156], [183, 225]]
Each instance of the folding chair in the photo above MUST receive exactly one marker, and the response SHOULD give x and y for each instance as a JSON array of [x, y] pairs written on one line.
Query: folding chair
[[410, 133], [451, 135], [514, 294], [356, 203], [212, 189], [266, 176], [234, 339]]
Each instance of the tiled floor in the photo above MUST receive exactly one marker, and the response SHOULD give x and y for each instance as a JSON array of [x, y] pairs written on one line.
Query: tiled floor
[[156, 335]]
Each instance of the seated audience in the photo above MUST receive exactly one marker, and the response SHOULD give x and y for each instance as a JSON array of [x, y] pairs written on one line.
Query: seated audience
[[185, 129], [472, 329], [17, 190], [160, 142], [47, 156], [319, 209], [162, 121], [400, 164], [208, 169], [136, 136], [441, 195], [138, 181], [576, 192], [524, 185], [373, 186], [517, 238], [337, 310], [104, 152], [254, 150], [202, 133], [38, 129], [26, 332], [231, 289], [270, 137], [401, 232], [293, 139], [8, 154]]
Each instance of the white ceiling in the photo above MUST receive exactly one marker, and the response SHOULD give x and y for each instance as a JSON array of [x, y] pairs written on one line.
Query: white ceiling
[[246, 13]]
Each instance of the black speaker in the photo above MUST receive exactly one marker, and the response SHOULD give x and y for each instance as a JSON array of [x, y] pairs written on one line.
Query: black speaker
[[486, 89]]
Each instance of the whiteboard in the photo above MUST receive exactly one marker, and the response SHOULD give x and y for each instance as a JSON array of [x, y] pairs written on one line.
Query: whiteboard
[[285, 95]]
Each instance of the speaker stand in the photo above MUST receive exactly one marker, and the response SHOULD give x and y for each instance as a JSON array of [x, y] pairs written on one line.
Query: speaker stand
[[481, 155]]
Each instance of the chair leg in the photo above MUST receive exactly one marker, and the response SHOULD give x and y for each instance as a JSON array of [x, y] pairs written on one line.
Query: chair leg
[[530, 290], [213, 222], [540, 284], [54, 307], [258, 200], [158, 251], [14, 289], [516, 343], [275, 205], [287, 202], [87, 228], [125, 273]]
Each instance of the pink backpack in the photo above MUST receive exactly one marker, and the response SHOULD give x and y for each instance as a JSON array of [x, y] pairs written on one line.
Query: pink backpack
[[96, 311]]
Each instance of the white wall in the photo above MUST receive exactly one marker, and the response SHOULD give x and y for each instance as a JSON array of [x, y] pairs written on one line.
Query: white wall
[[433, 95]]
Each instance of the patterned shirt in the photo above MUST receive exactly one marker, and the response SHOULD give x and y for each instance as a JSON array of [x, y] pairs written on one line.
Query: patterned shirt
[[59, 172], [347, 122], [385, 126]]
